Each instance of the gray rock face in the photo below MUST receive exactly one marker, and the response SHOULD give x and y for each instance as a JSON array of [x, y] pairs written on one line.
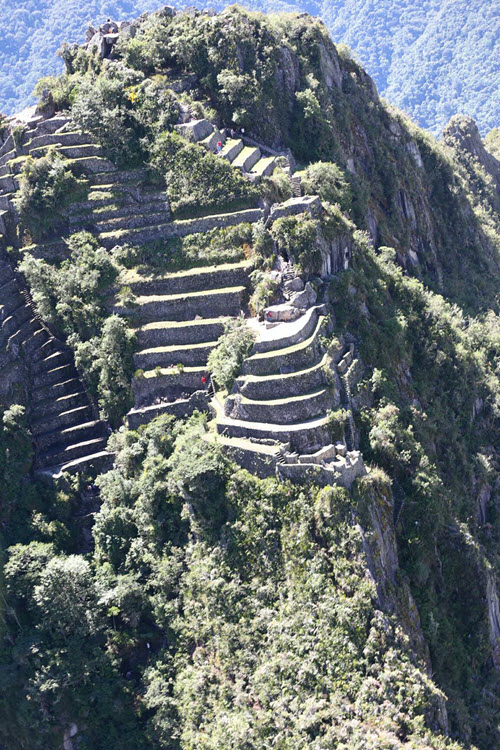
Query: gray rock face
[[330, 68], [195, 130], [281, 313], [287, 73], [304, 299], [294, 285], [462, 133]]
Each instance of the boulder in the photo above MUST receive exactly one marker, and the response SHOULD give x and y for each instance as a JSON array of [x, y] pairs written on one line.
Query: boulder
[[304, 299], [294, 285], [196, 130], [281, 313]]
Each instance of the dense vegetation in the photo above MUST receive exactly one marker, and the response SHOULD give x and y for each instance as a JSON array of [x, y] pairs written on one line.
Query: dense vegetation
[[424, 58], [72, 298], [217, 610]]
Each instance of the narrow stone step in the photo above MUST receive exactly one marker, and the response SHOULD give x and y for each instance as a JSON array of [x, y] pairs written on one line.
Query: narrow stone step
[[15, 320], [57, 375], [168, 333], [33, 342], [262, 387], [209, 304], [117, 178], [304, 437], [139, 219], [168, 383], [53, 360], [246, 158], [198, 279], [286, 334], [264, 167], [67, 138], [64, 454], [5, 169], [85, 151], [287, 359], [49, 347], [93, 464], [51, 405], [59, 420], [25, 334], [232, 148], [7, 157], [191, 355], [55, 391], [75, 433], [281, 411]]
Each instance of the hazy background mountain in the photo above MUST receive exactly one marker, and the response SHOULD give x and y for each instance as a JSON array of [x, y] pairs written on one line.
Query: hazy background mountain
[[433, 58]]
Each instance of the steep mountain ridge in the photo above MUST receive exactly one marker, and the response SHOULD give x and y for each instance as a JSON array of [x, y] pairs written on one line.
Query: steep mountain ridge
[[217, 608], [432, 59]]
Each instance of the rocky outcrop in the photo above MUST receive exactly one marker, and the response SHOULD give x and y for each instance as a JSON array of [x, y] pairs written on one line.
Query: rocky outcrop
[[463, 135]]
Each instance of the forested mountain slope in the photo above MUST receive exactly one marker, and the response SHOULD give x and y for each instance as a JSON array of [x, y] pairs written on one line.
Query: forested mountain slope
[[432, 58], [250, 402]]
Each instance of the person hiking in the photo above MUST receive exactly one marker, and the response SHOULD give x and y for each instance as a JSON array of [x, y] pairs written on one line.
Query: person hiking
[[110, 27], [219, 147]]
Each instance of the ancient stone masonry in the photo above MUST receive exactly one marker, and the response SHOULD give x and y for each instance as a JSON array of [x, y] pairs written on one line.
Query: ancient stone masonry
[[179, 318], [279, 417], [66, 430], [67, 433], [281, 405], [254, 160]]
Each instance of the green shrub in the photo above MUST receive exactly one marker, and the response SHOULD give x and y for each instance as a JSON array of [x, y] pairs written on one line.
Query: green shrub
[[297, 238], [107, 364], [330, 182], [101, 107], [224, 362], [197, 180], [154, 105], [263, 244], [265, 287], [337, 421], [60, 88], [72, 297], [47, 186]]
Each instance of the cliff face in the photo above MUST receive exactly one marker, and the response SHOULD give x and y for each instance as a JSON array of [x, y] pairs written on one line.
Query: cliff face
[[227, 194]]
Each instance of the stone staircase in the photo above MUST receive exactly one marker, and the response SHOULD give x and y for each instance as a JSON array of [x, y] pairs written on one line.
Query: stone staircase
[[119, 201], [66, 431], [276, 418], [179, 318], [250, 159]]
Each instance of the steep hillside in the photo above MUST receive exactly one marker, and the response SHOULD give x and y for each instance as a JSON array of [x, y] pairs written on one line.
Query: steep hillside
[[250, 398], [432, 59]]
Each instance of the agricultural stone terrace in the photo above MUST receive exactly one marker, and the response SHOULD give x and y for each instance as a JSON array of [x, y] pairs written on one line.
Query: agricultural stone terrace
[[278, 417]]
